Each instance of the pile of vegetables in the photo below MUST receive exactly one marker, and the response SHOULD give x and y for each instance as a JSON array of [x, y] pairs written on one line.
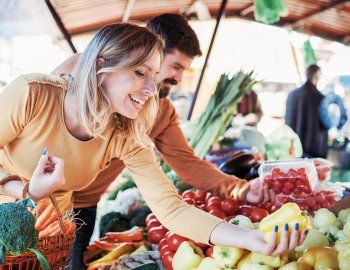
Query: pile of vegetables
[[220, 110]]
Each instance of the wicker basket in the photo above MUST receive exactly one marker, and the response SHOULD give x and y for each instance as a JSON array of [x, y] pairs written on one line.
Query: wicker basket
[[56, 249]]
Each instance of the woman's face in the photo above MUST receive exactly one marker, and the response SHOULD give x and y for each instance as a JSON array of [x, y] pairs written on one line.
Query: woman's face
[[129, 90]]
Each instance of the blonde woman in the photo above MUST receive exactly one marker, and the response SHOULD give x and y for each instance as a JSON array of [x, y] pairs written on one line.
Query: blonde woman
[[105, 112]]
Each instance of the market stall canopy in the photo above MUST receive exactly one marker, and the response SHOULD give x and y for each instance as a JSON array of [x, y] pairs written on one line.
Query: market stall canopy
[[329, 19]]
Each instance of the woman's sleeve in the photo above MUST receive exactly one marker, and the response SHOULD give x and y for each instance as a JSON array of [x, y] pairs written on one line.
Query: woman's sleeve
[[162, 198], [14, 114]]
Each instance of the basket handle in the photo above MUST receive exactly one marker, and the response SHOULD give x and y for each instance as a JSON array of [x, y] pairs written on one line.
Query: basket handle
[[59, 214]]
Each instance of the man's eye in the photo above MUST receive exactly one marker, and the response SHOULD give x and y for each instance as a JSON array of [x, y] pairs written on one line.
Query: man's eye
[[139, 73], [176, 67]]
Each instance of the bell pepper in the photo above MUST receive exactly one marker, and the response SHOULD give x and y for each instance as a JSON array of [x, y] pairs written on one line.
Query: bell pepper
[[208, 264], [187, 256], [245, 259], [343, 215], [344, 257], [313, 239], [275, 262], [115, 253], [289, 266], [227, 257], [303, 265], [340, 244], [321, 257], [289, 213], [256, 266], [323, 218]]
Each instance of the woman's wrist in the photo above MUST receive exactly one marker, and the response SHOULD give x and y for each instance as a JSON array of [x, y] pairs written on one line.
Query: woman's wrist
[[226, 234]]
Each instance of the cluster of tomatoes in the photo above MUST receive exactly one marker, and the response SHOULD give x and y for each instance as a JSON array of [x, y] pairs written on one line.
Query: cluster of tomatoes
[[311, 202], [225, 209], [293, 182]]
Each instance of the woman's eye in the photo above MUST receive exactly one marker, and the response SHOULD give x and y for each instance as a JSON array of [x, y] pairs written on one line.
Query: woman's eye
[[139, 73]]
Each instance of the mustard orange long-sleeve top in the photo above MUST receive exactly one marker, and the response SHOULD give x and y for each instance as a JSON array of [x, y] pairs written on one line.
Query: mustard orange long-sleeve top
[[175, 150], [31, 118]]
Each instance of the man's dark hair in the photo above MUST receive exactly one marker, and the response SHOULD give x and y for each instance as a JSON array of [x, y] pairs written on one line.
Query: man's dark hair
[[177, 34], [311, 71]]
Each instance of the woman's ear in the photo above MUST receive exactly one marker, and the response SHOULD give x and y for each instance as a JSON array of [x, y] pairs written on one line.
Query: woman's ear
[[100, 62]]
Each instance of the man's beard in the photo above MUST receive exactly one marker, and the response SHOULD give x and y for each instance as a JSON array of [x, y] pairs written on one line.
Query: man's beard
[[165, 87]]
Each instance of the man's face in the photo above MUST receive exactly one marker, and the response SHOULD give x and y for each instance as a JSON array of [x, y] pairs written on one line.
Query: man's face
[[172, 69]]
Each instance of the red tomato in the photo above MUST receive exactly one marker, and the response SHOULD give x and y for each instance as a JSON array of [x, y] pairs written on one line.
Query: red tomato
[[167, 259], [286, 191], [200, 245], [174, 241], [245, 210], [268, 206], [153, 223], [258, 214], [209, 251], [277, 185], [149, 217], [230, 206], [164, 249], [190, 201], [156, 234], [202, 207], [218, 213], [275, 172], [297, 191], [213, 200], [289, 184], [200, 196], [168, 233], [268, 181], [274, 208], [213, 206], [189, 194]]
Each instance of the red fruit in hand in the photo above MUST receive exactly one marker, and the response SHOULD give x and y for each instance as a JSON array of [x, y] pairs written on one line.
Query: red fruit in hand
[[156, 234], [200, 196], [190, 201], [189, 194], [174, 241]]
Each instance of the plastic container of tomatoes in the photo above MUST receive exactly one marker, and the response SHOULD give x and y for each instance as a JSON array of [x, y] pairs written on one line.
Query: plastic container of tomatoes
[[291, 177], [324, 196], [323, 168]]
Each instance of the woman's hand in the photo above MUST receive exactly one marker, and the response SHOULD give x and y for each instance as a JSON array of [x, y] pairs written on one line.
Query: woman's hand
[[257, 243], [258, 193], [47, 177]]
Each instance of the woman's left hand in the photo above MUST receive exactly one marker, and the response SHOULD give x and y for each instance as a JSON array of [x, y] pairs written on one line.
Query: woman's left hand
[[258, 193]]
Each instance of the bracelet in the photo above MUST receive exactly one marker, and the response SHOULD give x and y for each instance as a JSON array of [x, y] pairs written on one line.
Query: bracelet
[[25, 191]]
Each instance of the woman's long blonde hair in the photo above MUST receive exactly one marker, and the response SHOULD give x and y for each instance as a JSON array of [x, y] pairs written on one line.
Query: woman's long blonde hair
[[123, 46]]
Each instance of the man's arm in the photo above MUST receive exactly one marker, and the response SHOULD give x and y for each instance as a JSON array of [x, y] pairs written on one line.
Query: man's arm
[[67, 67], [199, 173], [290, 111]]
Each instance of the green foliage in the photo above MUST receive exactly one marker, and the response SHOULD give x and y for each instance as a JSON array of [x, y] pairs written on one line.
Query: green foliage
[[269, 11]]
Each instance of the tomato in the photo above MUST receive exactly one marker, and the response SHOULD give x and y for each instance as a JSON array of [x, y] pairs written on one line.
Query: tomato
[[229, 206], [213, 206], [307, 189], [156, 234], [189, 194], [208, 196], [274, 208], [215, 200], [311, 202], [167, 259], [303, 207], [153, 223], [292, 173], [202, 207], [218, 213], [275, 172], [174, 241], [258, 214], [268, 206], [268, 181], [149, 217], [200, 196], [162, 243], [286, 191], [163, 249], [209, 251], [288, 184], [277, 185], [326, 204], [245, 210], [190, 201], [297, 191], [168, 233]]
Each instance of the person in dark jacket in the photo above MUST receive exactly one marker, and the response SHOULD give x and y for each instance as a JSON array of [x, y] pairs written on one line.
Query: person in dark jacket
[[302, 115]]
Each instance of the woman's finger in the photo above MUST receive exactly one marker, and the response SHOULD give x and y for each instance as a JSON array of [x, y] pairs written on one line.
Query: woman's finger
[[284, 242], [41, 163], [303, 236], [59, 166], [271, 245], [294, 238]]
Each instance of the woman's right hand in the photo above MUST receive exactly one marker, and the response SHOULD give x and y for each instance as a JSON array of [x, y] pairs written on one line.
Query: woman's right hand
[[287, 243], [47, 177]]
